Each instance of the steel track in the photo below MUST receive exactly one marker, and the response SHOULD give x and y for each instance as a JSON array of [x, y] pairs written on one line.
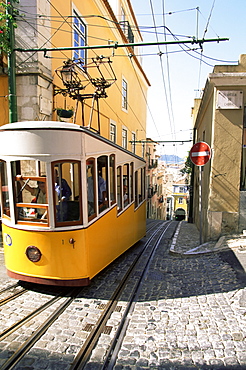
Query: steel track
[[13, 296], [141, 262], [83, 356], [29, 343]]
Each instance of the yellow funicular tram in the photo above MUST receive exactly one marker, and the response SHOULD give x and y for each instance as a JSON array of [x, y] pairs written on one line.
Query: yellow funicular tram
[[72, 201]]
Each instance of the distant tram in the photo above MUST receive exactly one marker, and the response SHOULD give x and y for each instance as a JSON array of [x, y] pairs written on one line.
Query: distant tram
[[71, 202]]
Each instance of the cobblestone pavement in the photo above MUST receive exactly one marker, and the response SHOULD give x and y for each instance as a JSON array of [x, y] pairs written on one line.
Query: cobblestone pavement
[[190, 314]]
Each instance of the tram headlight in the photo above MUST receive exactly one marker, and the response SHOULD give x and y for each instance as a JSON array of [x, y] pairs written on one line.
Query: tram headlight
[[33, 253]]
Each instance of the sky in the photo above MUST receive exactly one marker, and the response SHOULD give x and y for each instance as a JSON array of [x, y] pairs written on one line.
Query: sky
[[177, 74]]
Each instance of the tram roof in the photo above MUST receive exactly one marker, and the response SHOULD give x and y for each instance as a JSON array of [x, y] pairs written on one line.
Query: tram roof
[[57, 125], [29, 125]]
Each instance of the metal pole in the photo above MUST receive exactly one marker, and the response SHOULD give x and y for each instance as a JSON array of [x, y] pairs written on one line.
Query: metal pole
[[200, 202], [11, 66], [192, 178], [116, 45]]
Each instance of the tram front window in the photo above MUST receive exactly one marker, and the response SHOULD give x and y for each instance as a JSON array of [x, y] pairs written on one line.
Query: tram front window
[[31, 198], [4, 190]]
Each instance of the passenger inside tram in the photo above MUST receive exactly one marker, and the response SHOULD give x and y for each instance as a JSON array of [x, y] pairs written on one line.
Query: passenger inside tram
[[38, 192], [102, 189], [125, 195], [63, 194]]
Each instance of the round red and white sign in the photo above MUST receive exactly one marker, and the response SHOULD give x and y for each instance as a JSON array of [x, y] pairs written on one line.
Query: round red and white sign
[[200, 153]]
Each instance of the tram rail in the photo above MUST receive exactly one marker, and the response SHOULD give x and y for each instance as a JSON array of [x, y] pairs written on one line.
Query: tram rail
[[83, 356], [9, 288], [27, 318], [132, 277], [12, 296], [25, 347]]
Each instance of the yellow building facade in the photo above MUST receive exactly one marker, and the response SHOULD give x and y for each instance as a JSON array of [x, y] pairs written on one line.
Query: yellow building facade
[[219, 120], [47, 37]]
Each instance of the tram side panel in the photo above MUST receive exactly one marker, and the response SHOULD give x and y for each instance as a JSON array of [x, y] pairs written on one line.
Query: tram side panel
[[112, 235], [101, 241], [140, 222]]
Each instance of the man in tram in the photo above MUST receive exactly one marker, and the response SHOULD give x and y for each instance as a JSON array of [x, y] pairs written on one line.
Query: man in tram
[[63, 192]]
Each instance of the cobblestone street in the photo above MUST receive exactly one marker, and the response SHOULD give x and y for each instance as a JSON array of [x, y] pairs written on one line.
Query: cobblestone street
[[190, 313]]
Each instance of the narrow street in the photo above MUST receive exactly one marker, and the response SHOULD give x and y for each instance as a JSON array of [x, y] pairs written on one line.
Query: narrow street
[[190, 314]]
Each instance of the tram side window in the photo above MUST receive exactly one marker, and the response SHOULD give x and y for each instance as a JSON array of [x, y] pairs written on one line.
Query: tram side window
[[140, 186], [91, 183], [5, 210], [119, 189], [143, 183], [67, 190], [102, 169], [131, 192], [31, 198], [112, 178], [126, 187], [136, 189]]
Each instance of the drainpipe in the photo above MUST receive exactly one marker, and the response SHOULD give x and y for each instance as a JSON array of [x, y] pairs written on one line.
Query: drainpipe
[[11, 66]]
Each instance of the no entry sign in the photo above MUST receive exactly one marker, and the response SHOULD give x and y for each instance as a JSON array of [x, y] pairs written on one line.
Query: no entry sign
[[200, 153]]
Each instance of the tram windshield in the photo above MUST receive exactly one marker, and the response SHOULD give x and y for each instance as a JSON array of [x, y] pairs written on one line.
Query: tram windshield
[[30, 191], [5, 190]]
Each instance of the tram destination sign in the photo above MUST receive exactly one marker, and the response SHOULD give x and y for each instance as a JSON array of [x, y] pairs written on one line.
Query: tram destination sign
[[200, 153]]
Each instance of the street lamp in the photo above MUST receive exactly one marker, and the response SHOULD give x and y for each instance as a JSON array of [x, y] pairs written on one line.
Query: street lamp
[[69, 76]]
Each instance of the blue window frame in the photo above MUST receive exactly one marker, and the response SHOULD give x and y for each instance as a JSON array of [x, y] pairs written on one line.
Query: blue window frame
[[79, 39]]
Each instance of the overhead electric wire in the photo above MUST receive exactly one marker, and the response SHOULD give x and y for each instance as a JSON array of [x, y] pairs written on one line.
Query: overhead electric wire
[[168, 67], [145, 98], [46, 41], [115, 83], [140, 27], [168, 103], [204, 33], [66, 20]]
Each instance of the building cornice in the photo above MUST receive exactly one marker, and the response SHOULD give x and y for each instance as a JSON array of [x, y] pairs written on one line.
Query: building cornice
[[131, 51]]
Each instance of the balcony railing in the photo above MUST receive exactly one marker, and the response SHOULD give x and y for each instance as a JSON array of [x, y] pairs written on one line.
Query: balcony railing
[[153, 163], [126, 28]]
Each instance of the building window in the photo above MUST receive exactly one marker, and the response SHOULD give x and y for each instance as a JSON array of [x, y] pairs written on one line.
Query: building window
[[79, 39], [113, 132], [124, 138], [133, 142], [123, 21], [181, 200], [124, 94]]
